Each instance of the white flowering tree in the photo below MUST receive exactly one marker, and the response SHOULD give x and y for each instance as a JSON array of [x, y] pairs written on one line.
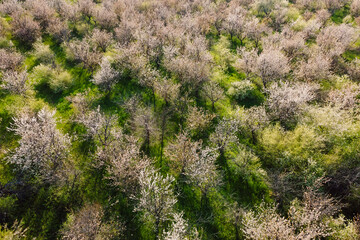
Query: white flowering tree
[[105, 78], [203, 173], [308, 219], [272, 65], [180, 230], [182, 152], [15, 82], [225, 134], [100, 126], [42, 148], [156, 199], [285, 100], [213, 92]]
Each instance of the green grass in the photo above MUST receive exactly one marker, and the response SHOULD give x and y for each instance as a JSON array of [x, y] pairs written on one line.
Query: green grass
[[338, 16]]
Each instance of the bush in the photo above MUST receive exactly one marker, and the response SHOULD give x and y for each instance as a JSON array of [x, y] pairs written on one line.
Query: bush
[[241, 90], [61, 81], [41, 74], [43, 53], [57, 79]]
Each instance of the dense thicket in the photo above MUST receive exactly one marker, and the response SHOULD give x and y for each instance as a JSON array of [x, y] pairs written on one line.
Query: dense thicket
[[179, 119]]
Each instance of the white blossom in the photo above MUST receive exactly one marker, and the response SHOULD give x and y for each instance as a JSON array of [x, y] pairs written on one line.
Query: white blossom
[[42, 148]]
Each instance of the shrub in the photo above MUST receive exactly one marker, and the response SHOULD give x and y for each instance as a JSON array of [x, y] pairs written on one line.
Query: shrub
[[43, 53], [60, 81], [41, 74], [241, 90]]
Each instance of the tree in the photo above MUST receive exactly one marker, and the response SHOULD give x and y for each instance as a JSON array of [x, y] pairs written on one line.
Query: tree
[[316, 67], [125, 162], [241, 90], [150, 42], [335, 39], [197, 119], [248, 60], [308, 216], [252, 120], [355, 8], [311, 29], [101, 39], [88, 223], [182, 152], [341, 124], [266, 6], [68, 11], [333, 5], [41, 11], [255, 30], [25, 28], [234, 23], [307, 219], [225, 134], [345, 98], [192, 66], [323, 15], [279, 17], [202, 172], [83, 52], [84, 224], [43, 53], [180, 230], [105, 17], [82, 102], [266, 224], [132, 62], [272, 65], [145, 124], [101, 127], [125, 32], [42, 148], [353, 69], [235, 214], [15, 82], [105, 78], [292, 43], [212, 91], [190, 72], [86, 7], [285, 101], [169, 92], [310, 4], [118, 152], [59, 30], [9, 60], [156, 199], [10, 6]]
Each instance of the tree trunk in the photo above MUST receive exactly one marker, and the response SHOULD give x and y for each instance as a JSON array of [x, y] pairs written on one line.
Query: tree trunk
[[162, 143], [157, 228], [237, 237], [154, 100], [253, 136], [147, 141], [163, 127]]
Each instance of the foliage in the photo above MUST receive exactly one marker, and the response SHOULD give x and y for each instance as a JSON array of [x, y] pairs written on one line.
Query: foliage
[[160, 119]]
